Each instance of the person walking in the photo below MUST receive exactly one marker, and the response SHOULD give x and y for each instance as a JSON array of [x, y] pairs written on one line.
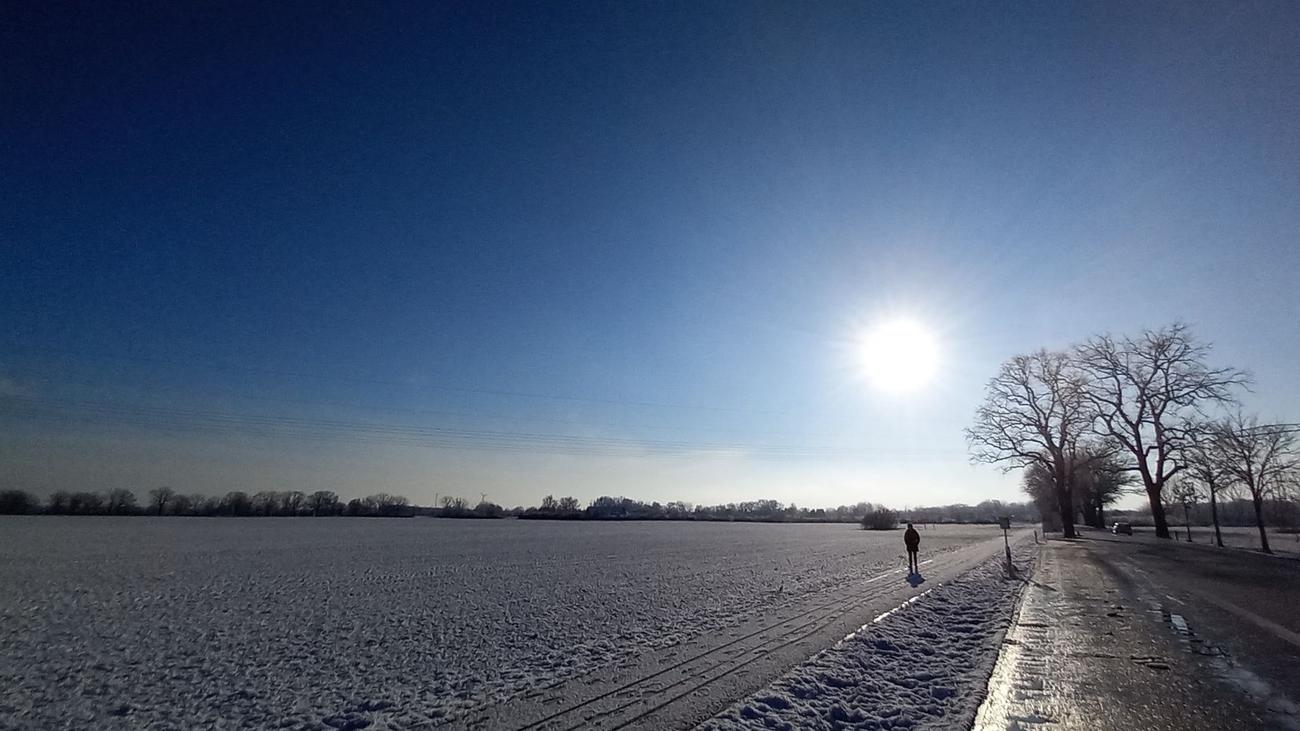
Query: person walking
[[912, 540]]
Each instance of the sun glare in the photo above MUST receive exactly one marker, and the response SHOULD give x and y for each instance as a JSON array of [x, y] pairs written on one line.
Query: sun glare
[[900, 355]]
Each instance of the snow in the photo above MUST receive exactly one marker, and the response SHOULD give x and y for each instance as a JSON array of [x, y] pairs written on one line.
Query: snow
[[344, 623], [923, 665], [1282, 544]]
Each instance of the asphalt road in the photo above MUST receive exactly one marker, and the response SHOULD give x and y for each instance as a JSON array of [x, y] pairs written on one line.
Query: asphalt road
[[1116, 633], [1244, 602]]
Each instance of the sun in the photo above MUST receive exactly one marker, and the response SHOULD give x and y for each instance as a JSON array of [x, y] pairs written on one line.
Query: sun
[[900, 355]]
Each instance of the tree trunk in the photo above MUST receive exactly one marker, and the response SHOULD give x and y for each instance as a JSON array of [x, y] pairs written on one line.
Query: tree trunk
[[1214, 516], [1062, 486], [1157, 511], [1258, 500], [1187, 518], [1065, 504], [1090, 512], [1101, 515]]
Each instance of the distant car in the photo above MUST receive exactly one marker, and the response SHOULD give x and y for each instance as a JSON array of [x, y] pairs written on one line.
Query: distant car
[[1124, 528]]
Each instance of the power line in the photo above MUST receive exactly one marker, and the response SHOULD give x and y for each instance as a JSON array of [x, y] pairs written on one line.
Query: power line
[[1273, 429]]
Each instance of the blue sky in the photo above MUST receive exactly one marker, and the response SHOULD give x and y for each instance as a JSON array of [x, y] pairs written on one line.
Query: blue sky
[[652, 223]]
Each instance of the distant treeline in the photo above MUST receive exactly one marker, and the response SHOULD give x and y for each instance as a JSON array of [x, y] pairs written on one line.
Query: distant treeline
[[756, 511], [323, 503], [166, 501]]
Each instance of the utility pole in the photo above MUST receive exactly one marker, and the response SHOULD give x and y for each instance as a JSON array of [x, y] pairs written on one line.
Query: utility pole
[[1005, 524]]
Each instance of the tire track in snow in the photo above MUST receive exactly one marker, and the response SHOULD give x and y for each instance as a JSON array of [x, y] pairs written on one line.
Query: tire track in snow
[[664, 692], [792, 636]]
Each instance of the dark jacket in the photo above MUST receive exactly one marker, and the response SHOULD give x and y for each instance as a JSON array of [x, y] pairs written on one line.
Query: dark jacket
[[911, 539]]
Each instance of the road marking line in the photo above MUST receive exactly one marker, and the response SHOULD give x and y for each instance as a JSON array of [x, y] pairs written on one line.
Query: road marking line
[[1278, 630]]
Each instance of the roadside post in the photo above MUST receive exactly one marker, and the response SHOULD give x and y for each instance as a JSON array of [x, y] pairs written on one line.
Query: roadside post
[[1005, 523]]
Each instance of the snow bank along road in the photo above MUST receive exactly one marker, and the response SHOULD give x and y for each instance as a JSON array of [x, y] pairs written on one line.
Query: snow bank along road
[[922, 665], [344, 623]]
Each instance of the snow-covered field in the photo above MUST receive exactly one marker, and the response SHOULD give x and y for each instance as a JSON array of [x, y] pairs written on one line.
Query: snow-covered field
[[124, 622], [1239, 537], [1283, 544]]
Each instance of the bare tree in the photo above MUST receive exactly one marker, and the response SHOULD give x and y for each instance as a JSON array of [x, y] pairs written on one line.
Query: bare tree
[[1035, 413], [384, 504], [86, 503], [322, 502], [396, 503], [1037, 482], [182, 505], [1100, 480], [58, 502], [454, 507], [236, 502], [291, 502], [159, 497], [121, 501], [1204, 464], [266, 502], [1261, 458], [1113, 482], [1291, 489], [1147, 392], [204, 505], [1185, 492]]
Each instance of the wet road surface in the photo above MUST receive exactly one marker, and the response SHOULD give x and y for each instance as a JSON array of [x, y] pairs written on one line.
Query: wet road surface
[[1246, 602], [1116, 633]]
